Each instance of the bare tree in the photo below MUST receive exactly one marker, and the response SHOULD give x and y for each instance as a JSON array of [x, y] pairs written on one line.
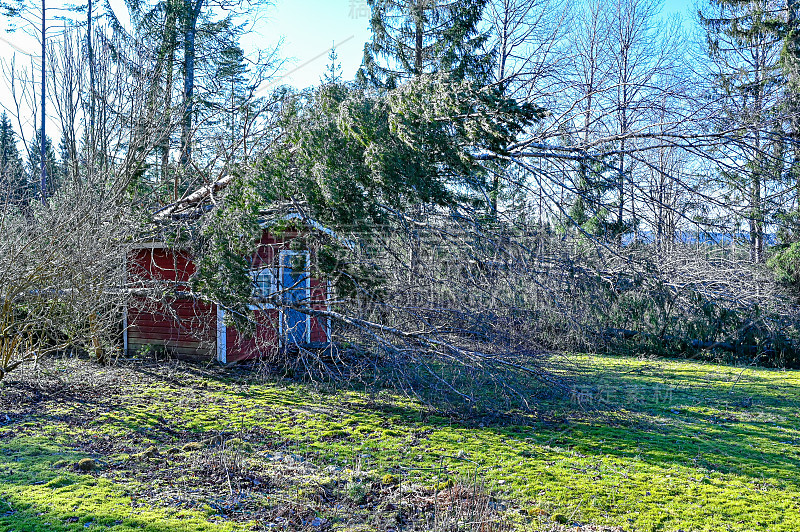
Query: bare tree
[[527, 39], [61, 275]]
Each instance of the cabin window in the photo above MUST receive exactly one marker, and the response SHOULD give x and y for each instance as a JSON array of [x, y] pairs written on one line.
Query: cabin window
[[265, 284]]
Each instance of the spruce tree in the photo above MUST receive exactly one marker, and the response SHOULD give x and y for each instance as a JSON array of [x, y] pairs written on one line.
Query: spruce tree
[[744, 47], [55, 173], [442, 41], [196, 49], [14, 189], [415, 37], [333, 71], [227, 103]]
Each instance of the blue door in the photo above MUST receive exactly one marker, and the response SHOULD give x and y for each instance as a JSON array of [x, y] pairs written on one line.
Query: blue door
[[296, 288]]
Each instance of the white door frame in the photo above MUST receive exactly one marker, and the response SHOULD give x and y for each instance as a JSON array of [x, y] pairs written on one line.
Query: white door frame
[[281, 255], [222, 336]]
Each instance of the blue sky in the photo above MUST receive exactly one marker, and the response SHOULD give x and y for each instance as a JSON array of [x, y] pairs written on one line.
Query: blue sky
[[308, 28]]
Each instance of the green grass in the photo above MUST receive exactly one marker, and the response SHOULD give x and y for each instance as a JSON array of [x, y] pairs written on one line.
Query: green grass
[[640, 444]]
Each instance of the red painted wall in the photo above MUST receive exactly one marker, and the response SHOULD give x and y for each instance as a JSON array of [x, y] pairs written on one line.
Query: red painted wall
[[183, 326], [187, 327]]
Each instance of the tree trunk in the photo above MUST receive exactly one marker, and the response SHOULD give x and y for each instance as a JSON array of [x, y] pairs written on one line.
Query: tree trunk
[[418, 40], [191, 14], [42, 151], [756, 208], [90, 52], [168, 57]]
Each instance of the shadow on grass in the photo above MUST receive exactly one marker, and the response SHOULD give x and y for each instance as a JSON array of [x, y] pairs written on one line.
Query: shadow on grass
[[29, 518], [724, 422], [702, 427]]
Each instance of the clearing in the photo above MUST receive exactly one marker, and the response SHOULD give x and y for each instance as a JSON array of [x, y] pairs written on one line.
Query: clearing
[[637, 445]]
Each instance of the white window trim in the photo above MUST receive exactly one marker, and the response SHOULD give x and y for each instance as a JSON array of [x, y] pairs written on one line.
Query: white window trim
[[259, 304]]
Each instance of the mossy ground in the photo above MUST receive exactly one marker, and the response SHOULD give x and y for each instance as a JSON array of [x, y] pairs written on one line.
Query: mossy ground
[[634, 445]]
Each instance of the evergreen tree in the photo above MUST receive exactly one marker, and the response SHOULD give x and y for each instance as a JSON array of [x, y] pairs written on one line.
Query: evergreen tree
[[55, 172], [781, 23], [333, 72], [351, 158], [14, 187], [358, 154], [197, 56], [415, 37], [745, 54], [790, 61], [227, 103]]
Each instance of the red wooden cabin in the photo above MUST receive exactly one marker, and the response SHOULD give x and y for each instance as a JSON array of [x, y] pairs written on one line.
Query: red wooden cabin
[[187, 327]]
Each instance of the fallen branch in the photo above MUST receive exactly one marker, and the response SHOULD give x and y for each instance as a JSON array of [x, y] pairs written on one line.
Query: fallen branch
[[194, 198], [703, 345]]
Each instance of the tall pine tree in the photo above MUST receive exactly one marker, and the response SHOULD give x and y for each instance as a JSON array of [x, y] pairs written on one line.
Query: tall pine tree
[[333, 71], [55, 171], [14, 188], [196, 44], [744, 49], [415, 37]]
